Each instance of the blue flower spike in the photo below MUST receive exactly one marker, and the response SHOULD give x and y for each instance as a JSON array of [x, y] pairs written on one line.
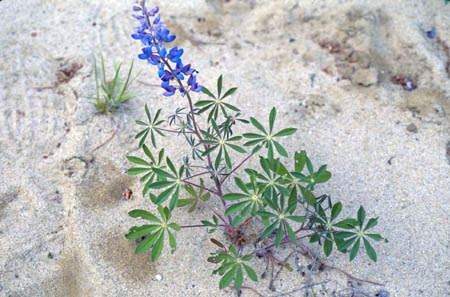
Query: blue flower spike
[[154, 35]]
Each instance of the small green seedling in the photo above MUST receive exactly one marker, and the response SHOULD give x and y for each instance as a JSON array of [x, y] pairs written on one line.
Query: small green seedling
[[114, 93]]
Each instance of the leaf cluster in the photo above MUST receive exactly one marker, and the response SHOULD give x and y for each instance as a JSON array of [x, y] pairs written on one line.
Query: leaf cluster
[[282, 197], [216, 104], [232, 268], [153, 234]]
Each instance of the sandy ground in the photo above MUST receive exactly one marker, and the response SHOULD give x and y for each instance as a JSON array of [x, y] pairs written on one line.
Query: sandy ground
[[62, 213]]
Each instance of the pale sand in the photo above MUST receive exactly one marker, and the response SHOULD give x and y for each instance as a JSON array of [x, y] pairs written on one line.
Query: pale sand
[[63, 235]]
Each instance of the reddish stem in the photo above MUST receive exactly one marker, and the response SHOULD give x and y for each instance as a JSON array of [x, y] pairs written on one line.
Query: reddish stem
[[236, 168]]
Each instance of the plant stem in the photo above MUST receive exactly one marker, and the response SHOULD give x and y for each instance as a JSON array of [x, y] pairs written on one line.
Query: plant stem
[[283, 241], [174, 131], [215, 212], [236, 168], [199, 226], [251, 289], [195, 175], [181, 84], [196, 129], [200, 187], [352, 277], [306, 253]]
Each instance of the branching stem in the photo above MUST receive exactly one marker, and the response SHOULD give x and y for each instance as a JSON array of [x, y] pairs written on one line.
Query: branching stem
[[200, 226], [235, 168], [174, 131], [283, 241]]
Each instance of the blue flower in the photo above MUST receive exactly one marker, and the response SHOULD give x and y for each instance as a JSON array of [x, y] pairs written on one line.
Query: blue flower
[[162, 34], [170, 90], [166, 76], [175, 54], [157, 19], [153, 11], [154, 35], [186, 69], [192, 81], [146, 52], [148, 55], [161, 70]]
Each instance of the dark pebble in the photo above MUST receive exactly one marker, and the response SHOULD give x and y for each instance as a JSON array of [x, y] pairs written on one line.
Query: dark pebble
[[412, 128]]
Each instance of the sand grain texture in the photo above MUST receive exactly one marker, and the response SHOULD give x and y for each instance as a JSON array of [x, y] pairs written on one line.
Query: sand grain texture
[[62, 212]]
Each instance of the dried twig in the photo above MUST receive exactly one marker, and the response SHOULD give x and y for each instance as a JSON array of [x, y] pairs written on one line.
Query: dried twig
[[323, 266], [283, 265], [251, 289], [104, 143], [306, 287], [147, 84]]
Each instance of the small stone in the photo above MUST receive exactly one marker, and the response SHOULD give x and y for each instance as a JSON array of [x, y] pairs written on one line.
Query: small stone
[[236, 46], [345, 70], [412, 128], [50, 256], [365, 77], [382, 293], [158, 277], [360, 57]]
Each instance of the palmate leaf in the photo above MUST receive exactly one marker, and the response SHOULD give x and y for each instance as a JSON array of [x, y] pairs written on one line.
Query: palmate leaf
[[207, 92], [361, 216], [292, 201], [270, 229], [328, 245], [163, 196], [216, 103], [239, 278], [285, 132], [227, 278], [148, 242], [370, 250], [137, 170], [229, 93], [267, 139], [232, 267], [219, 86], [140, 213], [161, 184], [258, 126], [346, 244], [196, 197], [280, 149], [172, 242], [346, 224], [250, 272], [152, 127], [345, 239], [355, 249], [324, 177], [154, 232], [138, 232], [138, 161]]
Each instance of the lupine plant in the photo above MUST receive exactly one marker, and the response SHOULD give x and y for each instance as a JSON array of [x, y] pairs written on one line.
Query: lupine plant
[[280, 197]]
